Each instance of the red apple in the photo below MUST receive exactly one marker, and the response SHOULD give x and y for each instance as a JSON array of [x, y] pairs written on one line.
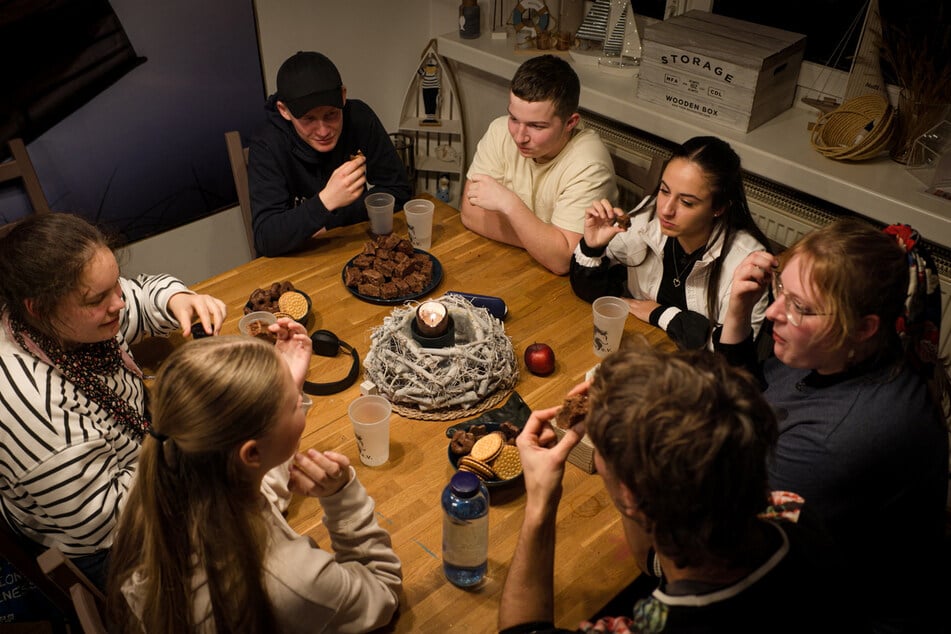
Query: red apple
[[540, 359]]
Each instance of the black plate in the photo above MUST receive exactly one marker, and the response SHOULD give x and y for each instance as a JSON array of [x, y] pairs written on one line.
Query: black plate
[[433, 283], [310, 305], [514, 411]]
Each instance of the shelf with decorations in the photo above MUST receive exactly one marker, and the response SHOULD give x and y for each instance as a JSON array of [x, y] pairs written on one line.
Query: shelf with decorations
[[432, 123]]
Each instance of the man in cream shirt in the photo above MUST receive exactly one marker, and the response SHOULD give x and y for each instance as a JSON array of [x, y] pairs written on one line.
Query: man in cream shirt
[[536, 169]]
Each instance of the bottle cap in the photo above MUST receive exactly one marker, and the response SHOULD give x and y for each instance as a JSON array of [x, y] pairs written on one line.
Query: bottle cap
[[464, 484]]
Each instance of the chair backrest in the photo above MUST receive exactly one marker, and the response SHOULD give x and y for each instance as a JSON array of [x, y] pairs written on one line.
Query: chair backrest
[[23, 557], [636, 177], [87, 601], [87, 609], [20, 167], [238, 155]]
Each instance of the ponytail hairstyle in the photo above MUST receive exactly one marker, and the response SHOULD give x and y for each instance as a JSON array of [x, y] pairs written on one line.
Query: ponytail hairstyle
[[193, 510]]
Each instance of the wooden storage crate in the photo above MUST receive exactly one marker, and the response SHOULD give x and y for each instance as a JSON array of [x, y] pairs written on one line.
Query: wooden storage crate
[[735, 73]]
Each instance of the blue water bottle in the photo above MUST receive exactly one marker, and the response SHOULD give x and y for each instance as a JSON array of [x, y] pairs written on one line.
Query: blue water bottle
[[465, 529]]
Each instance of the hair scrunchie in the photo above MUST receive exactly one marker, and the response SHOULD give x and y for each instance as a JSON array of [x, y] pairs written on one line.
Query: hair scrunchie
[[156, 435]]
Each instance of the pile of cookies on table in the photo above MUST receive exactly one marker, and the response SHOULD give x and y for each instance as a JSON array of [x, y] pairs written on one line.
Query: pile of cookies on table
[[492, 456]]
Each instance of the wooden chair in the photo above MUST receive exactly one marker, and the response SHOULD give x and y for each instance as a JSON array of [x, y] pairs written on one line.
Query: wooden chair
[[23, 557], [87, 602], [87, 609], [637, 176], [20, 168], [64, 585], [238, 155]]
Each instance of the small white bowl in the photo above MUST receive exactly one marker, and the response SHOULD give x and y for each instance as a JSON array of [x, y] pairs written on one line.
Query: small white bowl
[[258, 315]]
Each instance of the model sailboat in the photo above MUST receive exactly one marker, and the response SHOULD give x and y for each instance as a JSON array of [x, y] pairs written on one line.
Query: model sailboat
[[622, 48], [865, 75], [608, 37]]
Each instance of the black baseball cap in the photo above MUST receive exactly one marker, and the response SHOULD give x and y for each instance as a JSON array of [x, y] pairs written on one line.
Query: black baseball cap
[[307, 80]]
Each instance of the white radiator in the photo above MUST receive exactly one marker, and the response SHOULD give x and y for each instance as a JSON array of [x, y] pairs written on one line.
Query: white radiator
[[783, 214]]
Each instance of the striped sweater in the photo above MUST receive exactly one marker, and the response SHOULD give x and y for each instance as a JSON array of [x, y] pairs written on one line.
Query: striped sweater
[[65, 464]]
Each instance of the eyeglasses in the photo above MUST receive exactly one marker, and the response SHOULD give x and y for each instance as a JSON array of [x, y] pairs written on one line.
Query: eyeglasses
[[794, 310]]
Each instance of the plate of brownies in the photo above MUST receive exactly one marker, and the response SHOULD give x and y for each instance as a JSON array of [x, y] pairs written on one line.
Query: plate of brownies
[[390, 271]]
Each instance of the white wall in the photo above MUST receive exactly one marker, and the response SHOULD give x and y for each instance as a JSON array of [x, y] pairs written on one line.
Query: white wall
[[375, 44]]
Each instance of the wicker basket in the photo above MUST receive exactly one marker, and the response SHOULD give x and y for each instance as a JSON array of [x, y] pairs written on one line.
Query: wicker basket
[[859, 129]]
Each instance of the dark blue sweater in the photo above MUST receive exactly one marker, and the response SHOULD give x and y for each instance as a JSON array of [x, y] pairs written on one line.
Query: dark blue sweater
[[285, 175], [868, 451]]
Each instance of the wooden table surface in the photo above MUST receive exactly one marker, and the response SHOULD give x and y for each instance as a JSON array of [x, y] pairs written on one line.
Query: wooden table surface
[[592, 561]]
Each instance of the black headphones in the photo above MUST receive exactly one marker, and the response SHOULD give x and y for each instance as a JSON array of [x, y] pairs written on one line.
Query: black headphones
[[326, 344]]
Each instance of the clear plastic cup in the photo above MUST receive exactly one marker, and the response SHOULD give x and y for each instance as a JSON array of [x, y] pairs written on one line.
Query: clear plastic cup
[[380, 212], [419, 220]]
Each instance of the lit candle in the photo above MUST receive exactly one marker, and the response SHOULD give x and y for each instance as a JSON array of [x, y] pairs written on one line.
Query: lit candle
[[432, 319]]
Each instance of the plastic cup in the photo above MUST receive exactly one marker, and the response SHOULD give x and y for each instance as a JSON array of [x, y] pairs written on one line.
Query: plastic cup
[[260, 319], [370, 417], [609, 313], [380, 212], [419, 220]]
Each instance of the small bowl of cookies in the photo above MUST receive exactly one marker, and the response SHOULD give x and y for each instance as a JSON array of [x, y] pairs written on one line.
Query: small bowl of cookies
[[283, 300], [486, 449]]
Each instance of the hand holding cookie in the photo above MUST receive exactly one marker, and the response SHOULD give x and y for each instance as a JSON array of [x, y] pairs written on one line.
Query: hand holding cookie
[[600, 223], [294, 345], [543, 458], [346, 184], [573, 412]]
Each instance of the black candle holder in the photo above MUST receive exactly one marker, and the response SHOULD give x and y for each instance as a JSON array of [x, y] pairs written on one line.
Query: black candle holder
[[444, 340]]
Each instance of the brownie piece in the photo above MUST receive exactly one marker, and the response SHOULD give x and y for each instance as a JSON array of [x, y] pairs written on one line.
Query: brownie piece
[[363, 261], [402, 286], [405, 246], [352, 276], [390, 241], [373, 276], [403, 268], [369, 289], [385, 267], [573, 411]]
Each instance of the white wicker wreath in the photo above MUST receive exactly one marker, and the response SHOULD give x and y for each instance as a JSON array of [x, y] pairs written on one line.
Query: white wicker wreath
[[460, 377]]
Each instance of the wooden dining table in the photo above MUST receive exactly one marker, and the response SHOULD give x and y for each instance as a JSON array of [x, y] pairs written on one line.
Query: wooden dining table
[[592, 560]]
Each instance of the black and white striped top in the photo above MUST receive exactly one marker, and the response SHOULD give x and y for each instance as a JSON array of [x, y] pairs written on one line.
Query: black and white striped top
[[65, 464]]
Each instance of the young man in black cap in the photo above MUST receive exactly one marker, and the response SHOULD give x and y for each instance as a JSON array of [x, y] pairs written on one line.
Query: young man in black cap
[[310, 165]]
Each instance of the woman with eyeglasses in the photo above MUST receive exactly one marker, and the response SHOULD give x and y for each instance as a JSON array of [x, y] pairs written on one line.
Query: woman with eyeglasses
[[673, 256], [862, 437]]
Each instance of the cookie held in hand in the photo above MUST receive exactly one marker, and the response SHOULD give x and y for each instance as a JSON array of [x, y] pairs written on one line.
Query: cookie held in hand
[[573, 411]]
